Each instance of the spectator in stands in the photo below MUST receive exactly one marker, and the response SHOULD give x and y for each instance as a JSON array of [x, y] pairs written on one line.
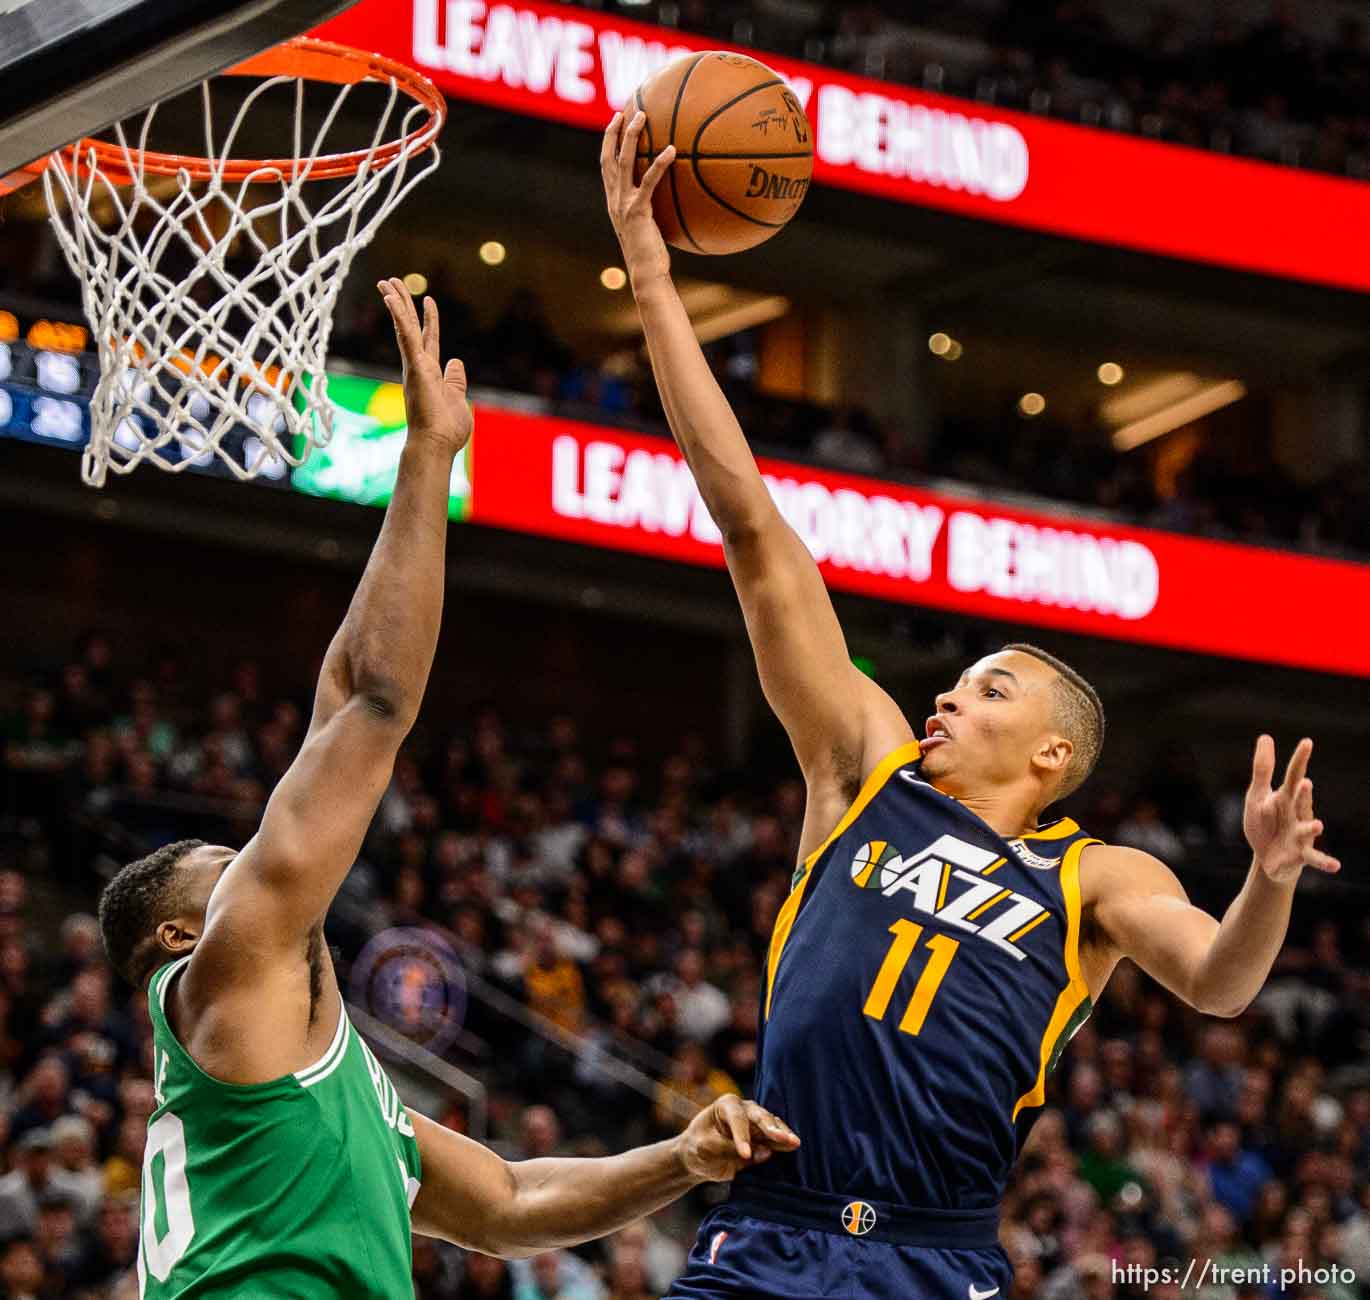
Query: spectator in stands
[[485, 1278], [555, 1275], [1235, 1176], [552, 984], [702, 1010], [21, 1271], [1214, 1079], [540, 1133], [75, 1172], [693, 1084]]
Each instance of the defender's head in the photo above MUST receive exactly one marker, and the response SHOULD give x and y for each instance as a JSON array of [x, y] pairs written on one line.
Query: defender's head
[[1020, 715], [154, 910]]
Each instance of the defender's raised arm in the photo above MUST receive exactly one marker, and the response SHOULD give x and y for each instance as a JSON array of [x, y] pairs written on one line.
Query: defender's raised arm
[[277, 890], [839, 722]]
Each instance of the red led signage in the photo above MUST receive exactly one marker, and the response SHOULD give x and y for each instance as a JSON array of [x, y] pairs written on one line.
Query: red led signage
[[629, 492], [576, 66]]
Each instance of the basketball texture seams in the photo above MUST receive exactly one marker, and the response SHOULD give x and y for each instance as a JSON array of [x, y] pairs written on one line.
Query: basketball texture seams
[[744, 151]]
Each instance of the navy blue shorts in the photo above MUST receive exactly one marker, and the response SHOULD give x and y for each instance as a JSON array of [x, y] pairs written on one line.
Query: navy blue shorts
[[791, 1244]]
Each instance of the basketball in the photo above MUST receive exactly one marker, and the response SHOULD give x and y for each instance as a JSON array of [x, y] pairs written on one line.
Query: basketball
[[744, 151]]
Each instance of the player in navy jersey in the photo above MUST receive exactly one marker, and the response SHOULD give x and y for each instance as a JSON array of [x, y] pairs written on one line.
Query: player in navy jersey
[[940, 943]]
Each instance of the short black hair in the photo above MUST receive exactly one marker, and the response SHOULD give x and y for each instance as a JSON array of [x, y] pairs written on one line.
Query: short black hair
[[135, 902], [1079, 714]]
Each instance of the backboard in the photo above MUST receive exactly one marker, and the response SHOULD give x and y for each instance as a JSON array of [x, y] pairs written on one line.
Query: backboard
[[69, 68]]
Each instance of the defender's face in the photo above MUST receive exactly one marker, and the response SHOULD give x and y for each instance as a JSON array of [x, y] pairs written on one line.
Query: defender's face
[[201, 869], [987, 727]]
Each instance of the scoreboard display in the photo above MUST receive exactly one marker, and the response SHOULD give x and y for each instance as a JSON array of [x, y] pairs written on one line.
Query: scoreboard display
[[47, 375]]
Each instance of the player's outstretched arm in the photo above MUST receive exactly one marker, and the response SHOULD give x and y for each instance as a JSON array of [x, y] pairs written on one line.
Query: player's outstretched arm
[[513, 1209], [370, 687], [1217, 967], [839, 722]]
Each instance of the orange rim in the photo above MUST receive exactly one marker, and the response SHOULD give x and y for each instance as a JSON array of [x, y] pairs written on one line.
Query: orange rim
[[304, 58]]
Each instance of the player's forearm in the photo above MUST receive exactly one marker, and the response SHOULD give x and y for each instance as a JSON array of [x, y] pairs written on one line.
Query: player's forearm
[[384, 649], [700, 417], [1245, 946], [562, 1202]]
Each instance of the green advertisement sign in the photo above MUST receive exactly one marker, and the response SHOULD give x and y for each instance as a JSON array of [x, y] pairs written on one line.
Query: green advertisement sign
[[361, 461]]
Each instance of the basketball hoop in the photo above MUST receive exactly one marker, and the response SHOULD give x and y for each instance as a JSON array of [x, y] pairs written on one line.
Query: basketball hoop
[[211, 292]]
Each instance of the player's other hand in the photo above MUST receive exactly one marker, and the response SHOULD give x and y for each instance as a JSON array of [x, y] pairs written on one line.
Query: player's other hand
[[434, 395], [730, 1135], [1279, 823], [630, 204]]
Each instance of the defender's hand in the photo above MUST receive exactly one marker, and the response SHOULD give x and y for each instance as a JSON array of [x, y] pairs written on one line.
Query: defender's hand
[[1279, 824], [630, 204], [731, 1135], [434, 397]]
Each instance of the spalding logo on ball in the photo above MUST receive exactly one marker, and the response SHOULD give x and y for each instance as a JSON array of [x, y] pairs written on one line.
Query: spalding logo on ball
[[744, 151]]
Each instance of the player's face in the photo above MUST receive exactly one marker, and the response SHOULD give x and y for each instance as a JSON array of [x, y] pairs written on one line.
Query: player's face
[[988, 726], [202, 868]]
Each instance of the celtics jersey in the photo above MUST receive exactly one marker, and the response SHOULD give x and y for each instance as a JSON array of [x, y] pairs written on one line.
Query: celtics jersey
[[296, 1189]]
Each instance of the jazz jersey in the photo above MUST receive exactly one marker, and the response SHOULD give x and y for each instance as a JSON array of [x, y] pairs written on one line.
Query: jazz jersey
[[297, 1189], [923, 978]]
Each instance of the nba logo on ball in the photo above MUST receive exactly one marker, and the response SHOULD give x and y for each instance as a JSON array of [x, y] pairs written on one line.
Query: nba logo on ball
[[875, 864], [858, 1218]]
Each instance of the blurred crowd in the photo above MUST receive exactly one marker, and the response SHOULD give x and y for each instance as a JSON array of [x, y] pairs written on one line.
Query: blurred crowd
[[1266, 81], [609, 917]]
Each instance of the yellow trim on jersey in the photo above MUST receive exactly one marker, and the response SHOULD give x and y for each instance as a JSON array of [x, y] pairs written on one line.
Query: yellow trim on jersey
[[942, 887], [784, 922], [988, 903], [1056, 831], [1076, 990], [993, 867]]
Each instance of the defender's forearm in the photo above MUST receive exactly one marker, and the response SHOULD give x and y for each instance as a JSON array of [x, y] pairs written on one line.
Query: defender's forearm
[[562, 1202], [1245, 946], [384, 649], [701, 420]]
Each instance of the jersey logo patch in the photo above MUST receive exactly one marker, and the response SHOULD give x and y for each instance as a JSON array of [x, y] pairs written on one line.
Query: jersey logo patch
[[954, 882], [1030, 859], [858, 1218], [976, 1294], [874, 865]]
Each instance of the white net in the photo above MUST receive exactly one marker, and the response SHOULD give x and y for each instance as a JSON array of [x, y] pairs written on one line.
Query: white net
[[212, 296]]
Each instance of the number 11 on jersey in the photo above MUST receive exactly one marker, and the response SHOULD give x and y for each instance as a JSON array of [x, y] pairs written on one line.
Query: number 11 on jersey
[[906, 935]]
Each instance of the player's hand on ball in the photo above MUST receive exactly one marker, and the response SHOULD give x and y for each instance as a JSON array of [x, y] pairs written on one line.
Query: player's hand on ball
[[730, 1135], [630, 204], [434, 395], [1279, 824]]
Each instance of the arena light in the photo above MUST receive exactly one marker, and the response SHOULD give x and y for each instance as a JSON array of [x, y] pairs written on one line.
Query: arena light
[[1178, 414], [939, 344], [1031, 405], [417, 283], [613, 278], [492, 252], [1111, 374]]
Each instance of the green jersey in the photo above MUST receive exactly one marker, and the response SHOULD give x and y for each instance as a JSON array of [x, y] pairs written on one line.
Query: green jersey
[[297, 1189]]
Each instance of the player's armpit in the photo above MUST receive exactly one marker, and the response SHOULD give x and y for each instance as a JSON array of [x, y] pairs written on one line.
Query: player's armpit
[[1140, 908]]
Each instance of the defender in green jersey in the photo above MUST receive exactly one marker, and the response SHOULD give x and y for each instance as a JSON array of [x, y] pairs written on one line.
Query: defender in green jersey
[[280, 1161]]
